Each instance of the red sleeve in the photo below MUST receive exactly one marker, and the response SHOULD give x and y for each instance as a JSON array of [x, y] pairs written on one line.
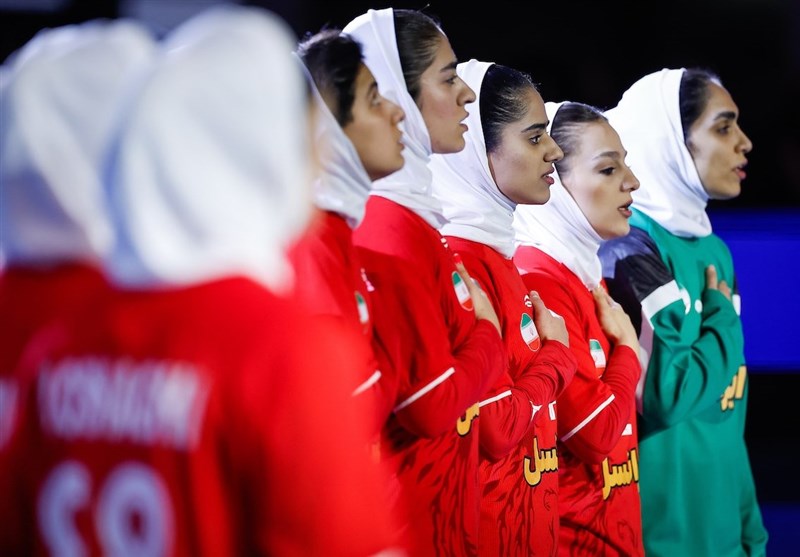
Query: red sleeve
[[508, 408], [593, 411], [437, 381], [597, 438], [507, 411]]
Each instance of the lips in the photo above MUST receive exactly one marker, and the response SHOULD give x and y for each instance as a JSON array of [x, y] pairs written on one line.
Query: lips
[[739, 170], [548, 178], [626, 209]]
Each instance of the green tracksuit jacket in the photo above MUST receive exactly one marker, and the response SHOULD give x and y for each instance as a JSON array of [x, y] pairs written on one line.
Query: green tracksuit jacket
[[697, 491]]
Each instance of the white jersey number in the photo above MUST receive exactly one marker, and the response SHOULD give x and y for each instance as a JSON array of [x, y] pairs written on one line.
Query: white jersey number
[[133, 515]]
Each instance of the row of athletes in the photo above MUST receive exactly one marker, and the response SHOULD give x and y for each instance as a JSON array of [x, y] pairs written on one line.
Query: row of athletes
[[471, 329]]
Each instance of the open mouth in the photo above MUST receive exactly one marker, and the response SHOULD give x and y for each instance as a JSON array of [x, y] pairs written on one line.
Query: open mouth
[[739, 170], [626, 209]]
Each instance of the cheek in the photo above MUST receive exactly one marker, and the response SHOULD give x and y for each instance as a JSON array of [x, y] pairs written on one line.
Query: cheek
[[512, 173]]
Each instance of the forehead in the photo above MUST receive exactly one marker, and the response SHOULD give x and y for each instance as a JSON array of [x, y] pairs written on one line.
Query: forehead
[[719, 100], [444, 55], [598, 137], [535, 112]]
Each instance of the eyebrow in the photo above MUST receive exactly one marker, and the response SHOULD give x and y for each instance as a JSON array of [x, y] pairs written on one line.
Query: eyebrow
[[451, 66], [727, 115], [542, 126], [610, 154]]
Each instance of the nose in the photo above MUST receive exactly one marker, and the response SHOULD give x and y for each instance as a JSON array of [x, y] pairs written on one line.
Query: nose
[[467, 95], [398, 114], [631, 182], [745, 145], [554, 152]]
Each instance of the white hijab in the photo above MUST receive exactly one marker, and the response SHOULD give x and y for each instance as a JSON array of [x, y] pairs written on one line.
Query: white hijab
[[209, 175], [61, 95], [474, 206], [343, 184], [648, 121], [411, 185], [560, 229]]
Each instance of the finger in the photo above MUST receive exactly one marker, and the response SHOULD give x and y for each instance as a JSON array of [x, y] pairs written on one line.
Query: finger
[[460, 266], [537, 302], [600, 296], [711, 277]]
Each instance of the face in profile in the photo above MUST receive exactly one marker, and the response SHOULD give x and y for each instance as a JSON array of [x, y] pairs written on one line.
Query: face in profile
[[522, 163], [442, 100], [599, 180], [373, 129], [718, 145]]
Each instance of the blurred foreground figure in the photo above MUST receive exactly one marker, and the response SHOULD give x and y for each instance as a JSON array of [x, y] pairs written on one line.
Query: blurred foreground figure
[[183, 412], [60, 95]]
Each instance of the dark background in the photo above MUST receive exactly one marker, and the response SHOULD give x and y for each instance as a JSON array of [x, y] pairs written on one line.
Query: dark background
[[589, 51], [592, 51]]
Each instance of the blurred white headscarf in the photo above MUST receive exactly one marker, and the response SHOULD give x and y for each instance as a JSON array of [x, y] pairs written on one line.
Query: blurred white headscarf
[[411, 185], [209, 177], [560, 229], [648, 121], [473, 205], [59, 103], [343, 184]]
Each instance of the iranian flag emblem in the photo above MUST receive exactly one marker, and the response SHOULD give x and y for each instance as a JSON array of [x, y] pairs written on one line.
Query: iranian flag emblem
[[462, 292], [529, 333], [598, 355], [363, 310]]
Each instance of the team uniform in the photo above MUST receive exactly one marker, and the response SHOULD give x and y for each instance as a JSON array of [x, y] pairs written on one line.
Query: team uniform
[[519, 468], [449, 359], [181, 431], [518, 427], [598, 470], [599, 507], [694, 394], [697, 489], [30, 299]]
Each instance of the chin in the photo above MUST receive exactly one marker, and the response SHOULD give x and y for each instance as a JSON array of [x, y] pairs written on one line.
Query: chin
[[725, 190], [616, 231], [727, 193]]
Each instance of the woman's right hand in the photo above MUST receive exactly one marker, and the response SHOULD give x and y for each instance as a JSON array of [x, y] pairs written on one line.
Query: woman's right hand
[[616, 324], [550, 325], [712, 283], [480, 301]]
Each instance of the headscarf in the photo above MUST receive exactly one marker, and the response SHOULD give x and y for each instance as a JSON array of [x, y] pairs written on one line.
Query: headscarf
[[411, 185], [474, 206], [560, 229], [208, 177], [648, 121], [61, 96], [343, 184]]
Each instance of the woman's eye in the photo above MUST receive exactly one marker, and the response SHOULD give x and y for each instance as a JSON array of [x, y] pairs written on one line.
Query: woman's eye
[[607, 171], [536, 139], [724, 130], [452, 80]]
